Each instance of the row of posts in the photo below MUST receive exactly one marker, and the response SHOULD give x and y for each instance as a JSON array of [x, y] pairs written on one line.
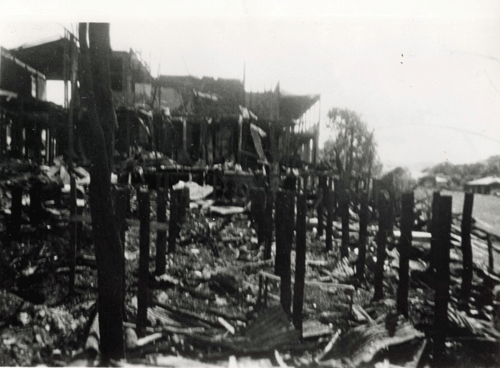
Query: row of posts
[[284, 223], [179, 201], [440, 228]]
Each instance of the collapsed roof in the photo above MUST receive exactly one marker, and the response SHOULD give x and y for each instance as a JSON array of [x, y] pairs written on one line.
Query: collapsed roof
[[279, 105], [292, 107], [46, 56], [201, 96]]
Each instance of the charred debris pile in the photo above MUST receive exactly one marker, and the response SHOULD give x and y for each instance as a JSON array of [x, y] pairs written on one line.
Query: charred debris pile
[[288, 277]]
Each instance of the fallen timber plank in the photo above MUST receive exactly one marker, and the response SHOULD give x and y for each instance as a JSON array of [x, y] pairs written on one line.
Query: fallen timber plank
[[232, 317], [316, 283], [148, 339], [328, 347], [133, 325], [360, 314], [186, 313], [421, 236], [169, 361], [157, 314], [226, 210], [226, 325], [318, 262], [188, 331], [254, 265], [131, 222], [312, 328]]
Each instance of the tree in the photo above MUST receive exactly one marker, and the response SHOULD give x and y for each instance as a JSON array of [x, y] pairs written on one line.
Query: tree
[[353, 151], [397, 182], [97, 127], [461, 174]]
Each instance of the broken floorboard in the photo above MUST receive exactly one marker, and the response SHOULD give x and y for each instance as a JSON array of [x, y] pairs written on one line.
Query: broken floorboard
[[361, 344], [271, 330]]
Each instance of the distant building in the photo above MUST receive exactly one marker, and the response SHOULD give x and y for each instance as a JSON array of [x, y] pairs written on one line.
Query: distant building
[[487, 185], [433, 182]]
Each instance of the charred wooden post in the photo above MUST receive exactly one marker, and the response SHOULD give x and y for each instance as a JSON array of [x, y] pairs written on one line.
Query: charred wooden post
[[442, 288], [404, 252], [376, 188], [300, 262], [161, 234], [496, 307], [433, 230], [284, 237], [35, 203], [260, 294], [268, 225], [322, 192], [158, 181], [258, 198], [143, 292], [383, 230], [330, 200], [280, 233], [98, 139], [214, 184], [344, 213], [363, 236], [17, 143], [173, 226], [305, 183], [491, 259], [183, 204], [392, 211], [286, 280], [467, 248], [73, 235], [16, 210], [290, 183], [166, 179], [122, 202], [266, 289]]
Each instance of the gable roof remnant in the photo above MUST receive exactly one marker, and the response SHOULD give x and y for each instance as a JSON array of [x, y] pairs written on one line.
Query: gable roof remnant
[[280, 105], [294, 106], [485, 181]]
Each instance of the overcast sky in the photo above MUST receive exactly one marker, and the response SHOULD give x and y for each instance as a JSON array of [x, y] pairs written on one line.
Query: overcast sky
[[425, 77]]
